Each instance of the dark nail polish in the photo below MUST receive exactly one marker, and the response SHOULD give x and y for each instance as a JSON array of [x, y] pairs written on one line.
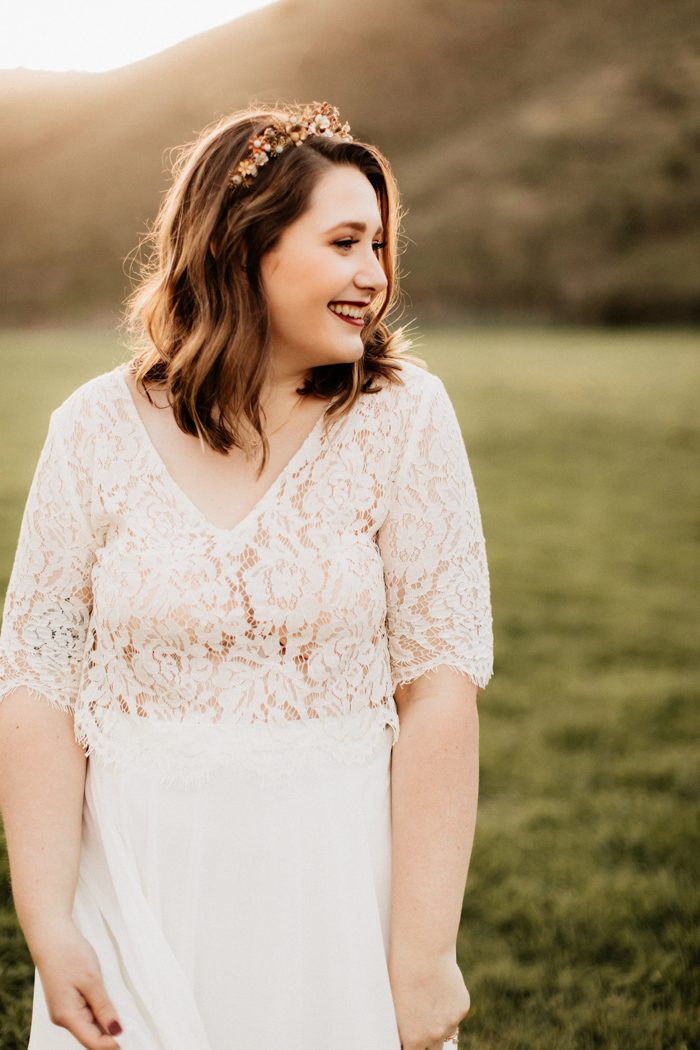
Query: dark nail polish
[[114, 1028]]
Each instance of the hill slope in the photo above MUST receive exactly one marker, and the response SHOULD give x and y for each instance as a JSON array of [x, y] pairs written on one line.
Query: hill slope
[[548, 153]]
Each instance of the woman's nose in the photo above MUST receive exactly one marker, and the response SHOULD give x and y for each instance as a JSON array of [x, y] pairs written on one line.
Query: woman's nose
[[372, 277]]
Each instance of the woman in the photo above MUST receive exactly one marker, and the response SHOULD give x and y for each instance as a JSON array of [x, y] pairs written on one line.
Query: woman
[[245, 629]]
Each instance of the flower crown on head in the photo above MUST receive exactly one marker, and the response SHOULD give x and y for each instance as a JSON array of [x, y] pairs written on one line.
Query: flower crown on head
[[320, 118]]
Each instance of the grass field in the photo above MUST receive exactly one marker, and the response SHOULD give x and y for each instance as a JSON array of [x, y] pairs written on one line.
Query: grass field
[[580, 921]]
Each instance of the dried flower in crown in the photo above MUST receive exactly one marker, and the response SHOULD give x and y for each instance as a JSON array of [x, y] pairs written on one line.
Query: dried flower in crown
[[316, 119]]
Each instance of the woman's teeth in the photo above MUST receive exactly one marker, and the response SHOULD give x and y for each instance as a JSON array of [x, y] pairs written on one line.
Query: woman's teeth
[[354, 313]]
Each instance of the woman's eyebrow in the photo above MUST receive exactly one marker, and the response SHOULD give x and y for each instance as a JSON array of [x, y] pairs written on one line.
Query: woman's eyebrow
[[359, 226]]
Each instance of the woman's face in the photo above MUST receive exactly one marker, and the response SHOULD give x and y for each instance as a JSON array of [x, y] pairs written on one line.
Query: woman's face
[[320, 258]]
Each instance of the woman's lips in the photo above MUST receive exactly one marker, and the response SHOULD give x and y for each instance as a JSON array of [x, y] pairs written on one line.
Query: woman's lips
[[348, 320]]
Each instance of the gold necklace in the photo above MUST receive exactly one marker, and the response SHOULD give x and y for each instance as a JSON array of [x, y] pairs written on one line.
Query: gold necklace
[[257, 443]]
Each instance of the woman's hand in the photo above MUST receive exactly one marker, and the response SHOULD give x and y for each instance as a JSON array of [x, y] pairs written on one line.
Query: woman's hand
[[72, 981], [430, 999]]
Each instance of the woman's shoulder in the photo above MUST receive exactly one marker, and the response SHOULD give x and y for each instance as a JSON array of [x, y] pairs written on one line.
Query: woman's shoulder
[[403, 397], [416, 377], [88, 402]]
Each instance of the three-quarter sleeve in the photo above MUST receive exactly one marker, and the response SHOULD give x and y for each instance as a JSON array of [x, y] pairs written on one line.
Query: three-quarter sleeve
[[49, 595], [432, 545]]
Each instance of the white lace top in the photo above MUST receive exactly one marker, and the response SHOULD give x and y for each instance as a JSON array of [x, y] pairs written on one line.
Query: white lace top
[[188, 645]]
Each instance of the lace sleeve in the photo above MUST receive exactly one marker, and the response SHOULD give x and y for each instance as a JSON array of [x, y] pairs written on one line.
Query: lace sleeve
[[432, 545], [49, 597]]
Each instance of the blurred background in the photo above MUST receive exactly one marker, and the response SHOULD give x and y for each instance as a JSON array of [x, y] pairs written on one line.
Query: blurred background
[[548, 155], [548, 152]]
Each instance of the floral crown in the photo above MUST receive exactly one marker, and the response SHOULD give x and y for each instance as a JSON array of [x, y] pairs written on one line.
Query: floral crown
[[320, 118]]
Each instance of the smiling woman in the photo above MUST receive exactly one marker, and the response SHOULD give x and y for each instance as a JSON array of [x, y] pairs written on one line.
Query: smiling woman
[[303, 281], [206, 635], [233, 312]]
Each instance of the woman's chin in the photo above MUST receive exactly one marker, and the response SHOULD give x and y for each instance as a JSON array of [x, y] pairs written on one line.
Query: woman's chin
[[344, 354]]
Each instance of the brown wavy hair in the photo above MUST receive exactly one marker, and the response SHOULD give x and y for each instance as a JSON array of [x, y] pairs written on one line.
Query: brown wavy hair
[[197, 321]]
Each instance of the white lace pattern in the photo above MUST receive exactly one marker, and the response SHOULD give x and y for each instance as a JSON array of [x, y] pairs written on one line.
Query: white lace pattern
[[184, 646]]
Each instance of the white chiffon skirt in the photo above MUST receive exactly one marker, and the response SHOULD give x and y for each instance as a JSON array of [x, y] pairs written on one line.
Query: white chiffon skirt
[[241, 914]]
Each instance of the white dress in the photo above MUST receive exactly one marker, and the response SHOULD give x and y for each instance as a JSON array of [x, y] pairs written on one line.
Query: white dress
[[233, 690]]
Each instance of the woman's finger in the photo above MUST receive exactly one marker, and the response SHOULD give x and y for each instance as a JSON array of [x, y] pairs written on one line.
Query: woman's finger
[[101, 1005], [80, 1020]]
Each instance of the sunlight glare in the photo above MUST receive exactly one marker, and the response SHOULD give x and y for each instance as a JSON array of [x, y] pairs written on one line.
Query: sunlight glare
[[94, 37]]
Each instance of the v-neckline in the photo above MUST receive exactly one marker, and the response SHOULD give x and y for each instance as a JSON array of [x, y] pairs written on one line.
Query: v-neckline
[[295, 461]]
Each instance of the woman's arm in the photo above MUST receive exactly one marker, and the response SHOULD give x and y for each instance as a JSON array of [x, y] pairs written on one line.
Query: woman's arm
[[42, 786], [440, 647], [42, 781], [435, 785], [434, 790], [43, 640]]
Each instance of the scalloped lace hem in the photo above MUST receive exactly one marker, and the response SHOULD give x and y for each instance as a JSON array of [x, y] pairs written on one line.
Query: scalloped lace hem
[[478, 675], [9, 685], [188, 753]]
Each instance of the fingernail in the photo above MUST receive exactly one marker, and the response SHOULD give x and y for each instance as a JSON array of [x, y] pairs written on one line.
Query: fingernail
[[114, 1028]]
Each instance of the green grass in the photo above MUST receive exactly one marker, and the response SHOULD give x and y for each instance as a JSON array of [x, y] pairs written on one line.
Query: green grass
[[581, 911]]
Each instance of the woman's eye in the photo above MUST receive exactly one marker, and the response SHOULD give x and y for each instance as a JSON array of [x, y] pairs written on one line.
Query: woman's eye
[[348, 241]]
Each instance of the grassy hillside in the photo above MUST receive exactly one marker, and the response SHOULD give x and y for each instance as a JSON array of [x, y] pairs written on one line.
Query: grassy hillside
[[548, 152], [580, 918]]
